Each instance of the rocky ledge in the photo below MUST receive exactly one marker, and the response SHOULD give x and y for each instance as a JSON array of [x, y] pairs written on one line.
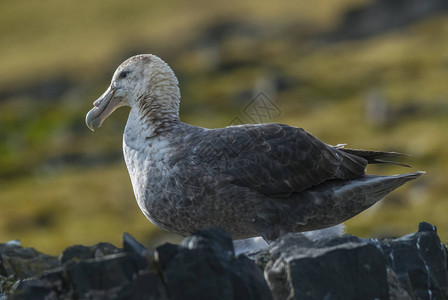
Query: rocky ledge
[[204, 266]]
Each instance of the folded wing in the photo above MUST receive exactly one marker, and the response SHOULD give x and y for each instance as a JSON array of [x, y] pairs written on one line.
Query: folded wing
[[274, 159]]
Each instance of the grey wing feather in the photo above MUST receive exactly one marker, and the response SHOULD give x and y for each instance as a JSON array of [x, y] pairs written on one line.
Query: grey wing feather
[[274, 159], [375, 157]]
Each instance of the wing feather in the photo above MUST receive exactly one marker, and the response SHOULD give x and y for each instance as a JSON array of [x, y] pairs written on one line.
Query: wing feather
[[274, 159]]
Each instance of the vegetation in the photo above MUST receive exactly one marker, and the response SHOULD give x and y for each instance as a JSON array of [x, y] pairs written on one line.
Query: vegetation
[[61, 184]]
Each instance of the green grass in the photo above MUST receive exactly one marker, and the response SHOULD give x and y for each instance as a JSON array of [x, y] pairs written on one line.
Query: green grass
[[85, 206], [41, 39]]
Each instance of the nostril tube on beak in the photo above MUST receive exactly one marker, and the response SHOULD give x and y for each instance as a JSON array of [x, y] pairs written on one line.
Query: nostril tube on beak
[[97, 103], [103, 107]]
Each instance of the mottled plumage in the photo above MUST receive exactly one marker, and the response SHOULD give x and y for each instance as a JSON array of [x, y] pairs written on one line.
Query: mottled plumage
[[253, 180]]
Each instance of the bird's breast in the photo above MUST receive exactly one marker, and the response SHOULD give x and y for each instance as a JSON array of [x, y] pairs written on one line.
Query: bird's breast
[[147, 166]]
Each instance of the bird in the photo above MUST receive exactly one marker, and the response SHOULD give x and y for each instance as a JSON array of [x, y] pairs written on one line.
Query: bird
[[253, 180]]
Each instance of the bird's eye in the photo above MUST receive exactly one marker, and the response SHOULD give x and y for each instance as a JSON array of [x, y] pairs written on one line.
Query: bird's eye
[[123, 74]]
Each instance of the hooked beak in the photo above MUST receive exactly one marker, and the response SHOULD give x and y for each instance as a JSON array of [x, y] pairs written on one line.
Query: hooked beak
[[104, 106]]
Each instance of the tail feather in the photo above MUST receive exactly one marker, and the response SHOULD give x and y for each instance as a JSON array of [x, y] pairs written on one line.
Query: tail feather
[[336, 201], [374, 187], [374, 157]]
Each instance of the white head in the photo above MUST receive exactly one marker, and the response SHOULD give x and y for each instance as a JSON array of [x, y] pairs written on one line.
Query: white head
[[143, 82]]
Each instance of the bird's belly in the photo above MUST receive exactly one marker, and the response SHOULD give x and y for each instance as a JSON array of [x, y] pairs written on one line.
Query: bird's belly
[[188, 208], [184, 202], [174, 211]]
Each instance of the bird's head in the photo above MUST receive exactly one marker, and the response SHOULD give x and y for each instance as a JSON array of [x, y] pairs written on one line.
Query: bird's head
[[143, 82]]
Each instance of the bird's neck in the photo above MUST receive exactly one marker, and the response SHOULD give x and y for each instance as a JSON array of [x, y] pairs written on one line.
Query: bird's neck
[[157, 111], [141, 126]]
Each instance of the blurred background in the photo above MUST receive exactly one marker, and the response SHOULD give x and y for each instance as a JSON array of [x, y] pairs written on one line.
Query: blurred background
[[372, 74]]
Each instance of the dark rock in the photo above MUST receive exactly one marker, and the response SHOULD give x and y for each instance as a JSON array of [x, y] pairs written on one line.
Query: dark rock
[[101, 271], [204, 267], [213, 240], [34, 289], [6, 284], [110, 277], [100, 284], [148, 285], [325, 274], [425, 226], [396, 291], [419, 261], [2, 268], [410, 267], [164, 254], [132, 245], [78, 252], [302, 269], [75, 252], [25, 262]]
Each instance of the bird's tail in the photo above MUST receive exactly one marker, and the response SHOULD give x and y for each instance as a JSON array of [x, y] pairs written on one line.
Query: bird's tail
[[340, 200], [373, 188], [374, 157]]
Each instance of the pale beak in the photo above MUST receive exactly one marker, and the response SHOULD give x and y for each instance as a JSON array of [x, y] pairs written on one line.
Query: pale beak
[[104, 106]]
